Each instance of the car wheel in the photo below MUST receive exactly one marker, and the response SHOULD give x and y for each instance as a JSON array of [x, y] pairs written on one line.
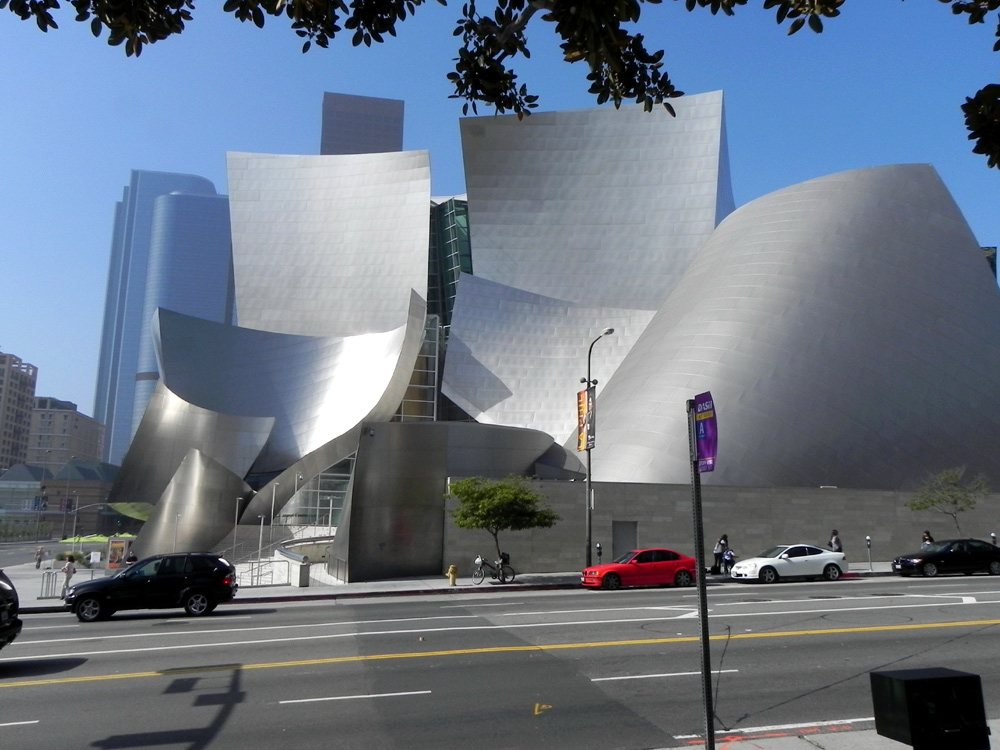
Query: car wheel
[[995, 568], [197, 604], [90, 609], [683, 578], [831, 572], [611, 582], [929, 570], [768, 575]]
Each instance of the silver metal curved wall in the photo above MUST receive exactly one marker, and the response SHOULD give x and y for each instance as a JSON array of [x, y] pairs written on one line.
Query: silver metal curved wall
[[602, 207], [516, 358], [328, 245], [579, 221], [849, 331], [315, 388]]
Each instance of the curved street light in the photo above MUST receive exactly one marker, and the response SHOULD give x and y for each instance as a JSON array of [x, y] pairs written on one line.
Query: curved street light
[[591, 383]]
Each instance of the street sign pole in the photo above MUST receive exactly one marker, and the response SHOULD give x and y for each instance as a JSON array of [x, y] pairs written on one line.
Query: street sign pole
[[699, 551]]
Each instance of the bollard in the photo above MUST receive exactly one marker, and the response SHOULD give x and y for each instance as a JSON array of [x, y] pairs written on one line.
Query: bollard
[[452, 575]]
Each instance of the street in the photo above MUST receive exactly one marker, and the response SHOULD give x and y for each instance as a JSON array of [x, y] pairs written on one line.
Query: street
[[554, 669]]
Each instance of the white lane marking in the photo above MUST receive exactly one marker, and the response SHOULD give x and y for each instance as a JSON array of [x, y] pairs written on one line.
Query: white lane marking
[[473, 628], [780, 727], [875, 597], [261, 628], [355, 697], [590, 611], [965, 599], [18, 723], [665, 674]]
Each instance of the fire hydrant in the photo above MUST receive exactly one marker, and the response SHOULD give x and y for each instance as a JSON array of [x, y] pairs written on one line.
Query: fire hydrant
[[452, 575]]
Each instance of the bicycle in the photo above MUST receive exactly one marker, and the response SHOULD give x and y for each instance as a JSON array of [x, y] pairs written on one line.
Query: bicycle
[[499, 569]]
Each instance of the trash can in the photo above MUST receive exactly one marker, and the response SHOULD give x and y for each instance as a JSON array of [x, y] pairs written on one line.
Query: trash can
[[300, 573]]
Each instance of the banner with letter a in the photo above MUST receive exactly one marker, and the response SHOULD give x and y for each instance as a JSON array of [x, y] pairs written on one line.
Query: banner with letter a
[[706, 432]]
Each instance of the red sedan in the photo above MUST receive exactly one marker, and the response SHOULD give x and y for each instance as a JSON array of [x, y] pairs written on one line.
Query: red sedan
[[642, 567]]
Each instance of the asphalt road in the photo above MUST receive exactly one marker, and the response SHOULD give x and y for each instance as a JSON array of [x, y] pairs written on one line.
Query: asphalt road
[[553, 669]]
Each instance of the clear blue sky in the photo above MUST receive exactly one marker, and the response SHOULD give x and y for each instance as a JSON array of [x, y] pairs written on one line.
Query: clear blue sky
[[882, 85]]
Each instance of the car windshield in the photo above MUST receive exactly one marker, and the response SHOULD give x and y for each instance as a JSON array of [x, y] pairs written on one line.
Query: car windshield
[[774, 551], [622, 559]]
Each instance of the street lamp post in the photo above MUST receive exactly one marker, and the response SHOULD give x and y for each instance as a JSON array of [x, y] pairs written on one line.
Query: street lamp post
[[270, 526], [591, 405], [236, 523]]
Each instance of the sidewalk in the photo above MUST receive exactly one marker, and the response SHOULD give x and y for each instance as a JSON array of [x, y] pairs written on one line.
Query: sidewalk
[[28, 582]]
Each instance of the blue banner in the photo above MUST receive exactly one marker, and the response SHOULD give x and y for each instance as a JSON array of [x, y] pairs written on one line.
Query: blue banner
[[705, 431]]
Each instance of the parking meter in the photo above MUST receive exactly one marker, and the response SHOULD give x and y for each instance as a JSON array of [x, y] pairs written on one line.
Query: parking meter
[[868, 541], [600, 549], [993, 537]]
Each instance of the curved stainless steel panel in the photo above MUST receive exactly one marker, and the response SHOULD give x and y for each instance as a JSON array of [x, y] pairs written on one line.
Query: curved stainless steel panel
[[375, 401], [197, 509], [849, 331], [516, 358], [169, 430], [315, 388], [602, 207], [328, 245]]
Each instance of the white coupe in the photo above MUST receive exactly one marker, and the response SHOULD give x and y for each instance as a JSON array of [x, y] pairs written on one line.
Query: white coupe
[[791, 561]]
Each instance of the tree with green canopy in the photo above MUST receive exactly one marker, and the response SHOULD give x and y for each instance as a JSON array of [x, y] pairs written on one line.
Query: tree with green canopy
[[945, 493], [494, 33], [499, 505]]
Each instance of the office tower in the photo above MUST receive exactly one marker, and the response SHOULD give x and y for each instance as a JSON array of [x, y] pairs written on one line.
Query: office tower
[[59, 433], [360, 125], [170, 249], [17, 397]]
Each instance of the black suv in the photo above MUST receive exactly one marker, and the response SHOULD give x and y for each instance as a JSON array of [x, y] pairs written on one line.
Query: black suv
[[10, 623], [196, 581]]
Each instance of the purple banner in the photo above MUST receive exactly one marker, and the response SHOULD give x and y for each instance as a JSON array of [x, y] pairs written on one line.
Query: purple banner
[[705, 431]]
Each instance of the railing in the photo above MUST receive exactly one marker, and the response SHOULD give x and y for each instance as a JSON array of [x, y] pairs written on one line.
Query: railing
[[52, 581], [263, 573]]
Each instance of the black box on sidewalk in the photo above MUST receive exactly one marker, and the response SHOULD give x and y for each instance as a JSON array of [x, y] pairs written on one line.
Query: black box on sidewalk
[[931, 709]]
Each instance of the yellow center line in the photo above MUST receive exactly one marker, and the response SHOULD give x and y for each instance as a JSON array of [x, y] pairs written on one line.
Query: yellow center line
[[489, 650]]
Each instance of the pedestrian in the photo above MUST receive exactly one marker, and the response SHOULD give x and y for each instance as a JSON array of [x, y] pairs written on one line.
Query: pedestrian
[[835, 544], [130, 557], [69, 569], [728, 559], [720, 551], [39, 556], [927, 541]]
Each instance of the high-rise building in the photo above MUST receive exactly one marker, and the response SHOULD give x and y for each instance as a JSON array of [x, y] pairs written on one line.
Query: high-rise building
[[170, 249], [59, 433], [360, 125], [17, 397]]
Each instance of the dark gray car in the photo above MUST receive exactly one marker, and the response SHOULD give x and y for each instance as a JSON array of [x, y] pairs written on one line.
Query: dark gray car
[[950, 556]]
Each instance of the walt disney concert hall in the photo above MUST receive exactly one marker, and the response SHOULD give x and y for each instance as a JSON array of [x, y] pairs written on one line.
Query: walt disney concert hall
[[848, 328]]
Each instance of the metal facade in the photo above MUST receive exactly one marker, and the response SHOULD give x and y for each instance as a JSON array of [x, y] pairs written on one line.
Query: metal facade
[[579, 221], [849, 331]]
